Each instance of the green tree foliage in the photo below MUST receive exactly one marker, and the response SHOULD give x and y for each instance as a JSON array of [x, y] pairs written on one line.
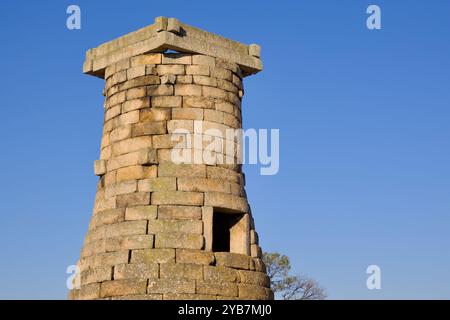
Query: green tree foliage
[[290, 287]]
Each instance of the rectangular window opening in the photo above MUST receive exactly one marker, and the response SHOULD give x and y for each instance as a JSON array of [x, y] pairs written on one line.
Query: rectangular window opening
[[226, 231]]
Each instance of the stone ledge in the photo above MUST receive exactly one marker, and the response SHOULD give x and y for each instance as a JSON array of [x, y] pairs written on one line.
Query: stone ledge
[[171, 34]]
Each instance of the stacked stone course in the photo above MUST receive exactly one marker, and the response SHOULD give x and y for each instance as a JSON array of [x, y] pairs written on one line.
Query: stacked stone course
[[151, 233]]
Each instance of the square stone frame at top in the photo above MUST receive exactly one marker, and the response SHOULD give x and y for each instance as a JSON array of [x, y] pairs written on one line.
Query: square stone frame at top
[[170, 34]]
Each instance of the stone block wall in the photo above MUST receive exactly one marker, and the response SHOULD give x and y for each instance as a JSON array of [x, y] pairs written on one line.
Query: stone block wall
[[151, 232]]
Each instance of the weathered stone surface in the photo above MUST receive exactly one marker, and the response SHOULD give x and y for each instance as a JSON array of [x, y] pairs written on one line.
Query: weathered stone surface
[[254, 237], [147, 157], [135, 173], [137, 271], [166, 102], [214, 93], [102, 204], [182, 226], [220, 274], [120, 133], [145, 59], [135, 72], [153, 256], [168, 141], [207, 218], [255, 251], [155, 114], [205, 81], [198, 102], [140, 241], [215, 288], [220, 73], [176, 58], [181, 270], [165, 155], [93, 275], [239, 236], [150, 69], [181, 170], [177, 198], [116, 99], [121, 188], [227, 85], [107, 217], [104, 259], [187, 114], [170, 69], [125, 160], [89, 291], [136, 93], [203, 185], [74, 294], [254, 50], [179, 240], [133, 199], [125, 228], [188, 90], [187, 296], [132, 144], [105, 153], [119, 77], [252, 265], [213, 115], [152, 296], [226, 201], [168, 285], [148, 128], [251, 292], [113, 112], [94, 242], [168, 79], [99, 167], [259, 265], [160, 90], [222, 173], [135, 104], [231, 121], [140, 81], [123, 287], [203, 60], [202, 70], [194, 257], [158, 184], [237, 81], [255, 278], [180, 126], [122, 64], [171, 212], [141, 213], [232, 260], [184, 79], [106, 141]]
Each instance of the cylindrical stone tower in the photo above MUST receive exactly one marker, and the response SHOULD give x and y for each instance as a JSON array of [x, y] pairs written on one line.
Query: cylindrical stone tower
[[160, 229]]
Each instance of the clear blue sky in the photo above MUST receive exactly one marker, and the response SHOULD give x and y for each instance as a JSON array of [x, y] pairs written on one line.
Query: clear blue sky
[[363, 117]]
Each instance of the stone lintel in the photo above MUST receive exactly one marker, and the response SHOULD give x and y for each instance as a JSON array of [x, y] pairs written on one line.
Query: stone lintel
[[170, 34]]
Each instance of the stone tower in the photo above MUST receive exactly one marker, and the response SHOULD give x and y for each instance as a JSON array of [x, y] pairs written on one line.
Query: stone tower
[[160, 229]]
